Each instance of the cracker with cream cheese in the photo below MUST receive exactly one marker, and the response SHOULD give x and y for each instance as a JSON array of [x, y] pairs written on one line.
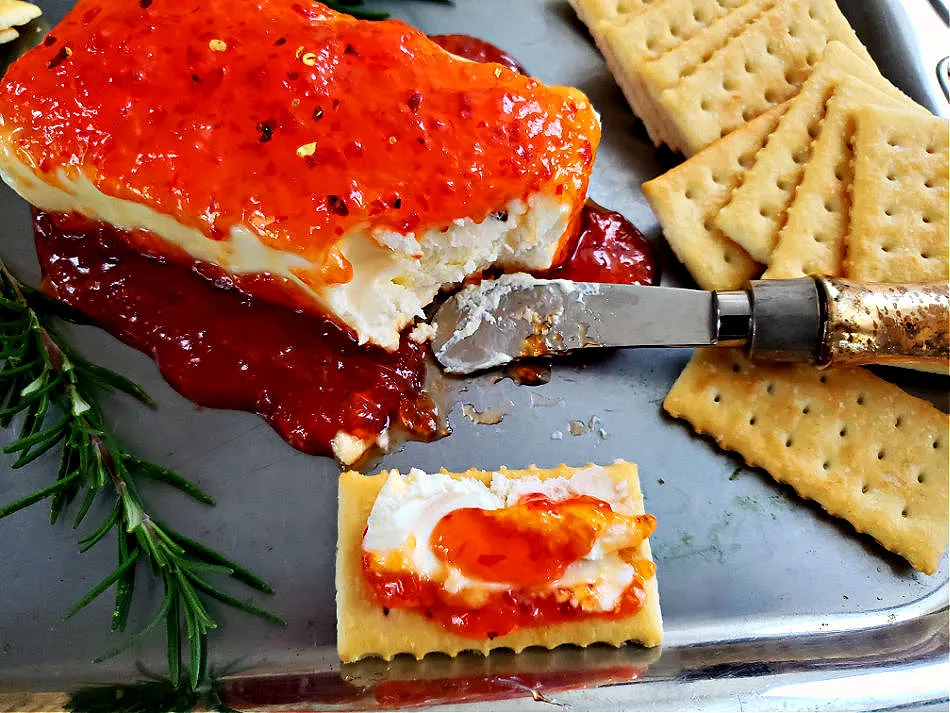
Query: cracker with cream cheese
[[365, 629]]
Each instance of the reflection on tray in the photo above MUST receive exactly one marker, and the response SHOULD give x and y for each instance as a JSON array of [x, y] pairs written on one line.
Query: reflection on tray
[[467, 678]]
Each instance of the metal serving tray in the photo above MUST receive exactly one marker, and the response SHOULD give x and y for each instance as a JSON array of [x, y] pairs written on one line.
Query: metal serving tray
[[768, 602]]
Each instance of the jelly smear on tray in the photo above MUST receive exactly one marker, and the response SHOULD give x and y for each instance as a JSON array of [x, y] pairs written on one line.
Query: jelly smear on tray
[[305, 375]]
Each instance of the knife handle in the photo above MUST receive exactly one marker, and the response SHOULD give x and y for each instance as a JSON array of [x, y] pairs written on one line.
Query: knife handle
[[899, 325], [830, 321]]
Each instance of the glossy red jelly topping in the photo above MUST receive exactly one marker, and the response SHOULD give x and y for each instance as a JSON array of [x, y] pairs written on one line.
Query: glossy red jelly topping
[[287, 117], [477, 50], [607, 248], [527, 545], [306, 376]]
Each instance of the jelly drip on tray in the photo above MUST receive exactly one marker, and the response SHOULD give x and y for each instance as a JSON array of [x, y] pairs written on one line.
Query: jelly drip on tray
[[303, 374]]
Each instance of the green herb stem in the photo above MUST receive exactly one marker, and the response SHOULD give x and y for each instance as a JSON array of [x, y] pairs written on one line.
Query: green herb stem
[[56, 391]]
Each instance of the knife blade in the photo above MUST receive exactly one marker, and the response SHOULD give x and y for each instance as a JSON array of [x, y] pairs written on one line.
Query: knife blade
[[808, 319]]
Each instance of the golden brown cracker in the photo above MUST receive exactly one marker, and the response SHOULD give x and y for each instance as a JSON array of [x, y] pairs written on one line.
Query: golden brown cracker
[[812, 239], [685, 45], [761, 66], [861, 447], [756, 210], [363, 629], [899, 227], [593, 12], [687, 198]]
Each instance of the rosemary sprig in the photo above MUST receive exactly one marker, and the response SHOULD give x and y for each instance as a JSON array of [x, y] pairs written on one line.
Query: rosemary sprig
[[55, 390]]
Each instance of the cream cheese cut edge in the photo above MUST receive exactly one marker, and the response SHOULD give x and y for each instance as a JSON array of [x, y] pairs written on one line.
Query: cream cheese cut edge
[[409, 506], [394, 275]]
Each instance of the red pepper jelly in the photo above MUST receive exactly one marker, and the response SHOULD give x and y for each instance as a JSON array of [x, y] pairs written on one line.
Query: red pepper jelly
[[527, 547], [306, 376], [607, 248], [299, 123]]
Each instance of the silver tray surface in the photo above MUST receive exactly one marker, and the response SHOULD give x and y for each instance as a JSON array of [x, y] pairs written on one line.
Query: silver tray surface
[[768, 602]]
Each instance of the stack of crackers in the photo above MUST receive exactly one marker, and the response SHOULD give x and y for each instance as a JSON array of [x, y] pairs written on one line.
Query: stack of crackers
[[695, 70], [14, 13], [814, 164]]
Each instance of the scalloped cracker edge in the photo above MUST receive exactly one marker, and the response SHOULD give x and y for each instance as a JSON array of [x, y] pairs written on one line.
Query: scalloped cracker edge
[[899, 198], [364, 630], [687, 198], [859, 446]]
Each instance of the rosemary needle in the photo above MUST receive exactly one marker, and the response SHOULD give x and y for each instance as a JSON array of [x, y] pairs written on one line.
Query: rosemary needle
[[54, 390]]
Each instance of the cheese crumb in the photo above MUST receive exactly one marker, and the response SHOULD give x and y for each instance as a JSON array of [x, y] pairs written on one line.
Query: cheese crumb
[[422, 333]]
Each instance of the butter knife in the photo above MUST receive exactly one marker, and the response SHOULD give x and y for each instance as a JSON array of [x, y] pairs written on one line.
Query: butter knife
[[821, 320]]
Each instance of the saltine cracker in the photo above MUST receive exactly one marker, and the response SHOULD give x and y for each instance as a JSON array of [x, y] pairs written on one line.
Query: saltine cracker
[[761, 66], [861, 447], [687, 198], [756, 210], [364, 629], [662, 41], [813, 238], [899, 227]]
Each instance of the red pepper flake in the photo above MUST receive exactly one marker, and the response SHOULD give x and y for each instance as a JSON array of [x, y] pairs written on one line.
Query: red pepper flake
[[350, 49], [317, 114], [281, 41], [415, 100], [300, 10], [397, 204], [336, 104], [196, 79], [145, 4], [50, 40], [465, 106], [293, 76], [266, 130], [59, 57], [337, 205], [91, 15]]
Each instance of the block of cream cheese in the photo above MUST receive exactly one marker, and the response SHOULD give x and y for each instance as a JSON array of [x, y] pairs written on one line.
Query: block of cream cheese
[[449, 562], [356, 164]]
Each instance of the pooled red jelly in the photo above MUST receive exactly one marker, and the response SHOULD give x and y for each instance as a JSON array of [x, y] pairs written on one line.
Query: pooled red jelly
[[607, 248], [305, 375], [477, 50]]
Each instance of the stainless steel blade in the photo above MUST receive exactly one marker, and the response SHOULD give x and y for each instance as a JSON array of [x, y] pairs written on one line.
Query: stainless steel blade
[[496, 321]]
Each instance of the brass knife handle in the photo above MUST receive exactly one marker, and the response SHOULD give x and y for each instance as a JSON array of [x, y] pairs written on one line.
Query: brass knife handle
[[899, 325]]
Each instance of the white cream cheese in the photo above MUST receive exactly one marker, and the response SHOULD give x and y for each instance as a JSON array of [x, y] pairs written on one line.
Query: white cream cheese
[[394, 275], [409, 507]]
